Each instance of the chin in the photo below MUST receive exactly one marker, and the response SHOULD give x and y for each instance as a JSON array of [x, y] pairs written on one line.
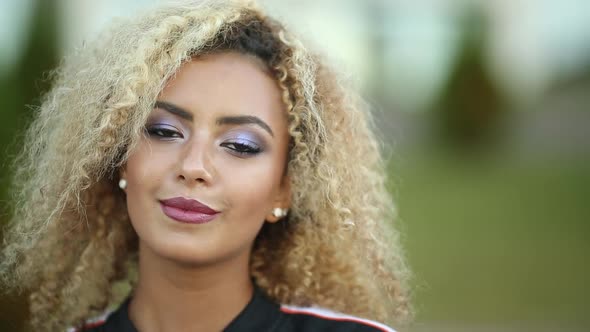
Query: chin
[[185, 252]]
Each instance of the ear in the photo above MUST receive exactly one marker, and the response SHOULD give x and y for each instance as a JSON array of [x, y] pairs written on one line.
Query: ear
[[282, 200]]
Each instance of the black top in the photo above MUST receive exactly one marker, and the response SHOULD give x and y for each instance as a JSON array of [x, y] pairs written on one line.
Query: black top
[[261, 314]]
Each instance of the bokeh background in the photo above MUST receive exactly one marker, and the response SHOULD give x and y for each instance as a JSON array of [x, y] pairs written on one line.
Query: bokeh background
[[483, 108]]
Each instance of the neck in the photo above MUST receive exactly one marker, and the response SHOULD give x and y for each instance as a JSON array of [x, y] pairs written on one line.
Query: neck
[[174, 297]]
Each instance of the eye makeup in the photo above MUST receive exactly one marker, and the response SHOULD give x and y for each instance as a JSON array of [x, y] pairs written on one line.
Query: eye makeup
[[163, 126], [162, 131], [241, 138], [242, 143]]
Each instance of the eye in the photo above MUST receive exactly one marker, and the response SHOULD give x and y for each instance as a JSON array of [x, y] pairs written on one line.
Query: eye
[[242, 147], [163, 131]]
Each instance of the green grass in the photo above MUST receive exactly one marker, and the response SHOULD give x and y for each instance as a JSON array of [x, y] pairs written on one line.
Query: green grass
[[496, 241]]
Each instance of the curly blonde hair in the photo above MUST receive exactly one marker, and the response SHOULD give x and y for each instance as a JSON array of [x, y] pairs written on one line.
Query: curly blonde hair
[[70, 241]]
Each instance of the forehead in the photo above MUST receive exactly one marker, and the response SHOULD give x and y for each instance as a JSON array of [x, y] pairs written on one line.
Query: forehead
[[226, 84]]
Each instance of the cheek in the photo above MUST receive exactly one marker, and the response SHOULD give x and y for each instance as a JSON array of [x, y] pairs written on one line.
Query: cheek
[[252, 189], [146, 165], [144, 177]]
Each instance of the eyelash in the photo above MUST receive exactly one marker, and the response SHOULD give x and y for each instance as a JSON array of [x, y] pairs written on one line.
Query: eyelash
[[162, 132], [240, 147], [243, 148]]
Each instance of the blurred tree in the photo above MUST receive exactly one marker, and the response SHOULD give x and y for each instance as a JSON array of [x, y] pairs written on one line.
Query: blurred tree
[[470, 106], [22, 87], [20, 90], [579, 80]]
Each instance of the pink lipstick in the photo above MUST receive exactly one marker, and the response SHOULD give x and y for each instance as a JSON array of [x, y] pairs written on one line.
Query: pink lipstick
[[187, 210]]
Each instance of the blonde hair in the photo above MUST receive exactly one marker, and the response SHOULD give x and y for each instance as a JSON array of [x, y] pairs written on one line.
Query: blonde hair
[[70, 240]]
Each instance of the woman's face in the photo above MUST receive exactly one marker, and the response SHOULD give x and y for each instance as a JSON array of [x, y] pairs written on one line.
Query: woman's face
[[210, 168]]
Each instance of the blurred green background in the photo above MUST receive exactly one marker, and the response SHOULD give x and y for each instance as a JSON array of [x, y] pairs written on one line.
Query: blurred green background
[[483, 110]]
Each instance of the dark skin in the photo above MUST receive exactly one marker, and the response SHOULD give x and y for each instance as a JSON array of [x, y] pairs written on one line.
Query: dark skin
[[218, 135]]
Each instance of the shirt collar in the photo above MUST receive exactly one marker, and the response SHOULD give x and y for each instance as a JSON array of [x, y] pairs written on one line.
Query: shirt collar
[[260, 314]]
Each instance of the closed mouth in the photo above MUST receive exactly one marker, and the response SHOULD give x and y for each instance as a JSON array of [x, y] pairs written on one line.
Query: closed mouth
[[187, 210]]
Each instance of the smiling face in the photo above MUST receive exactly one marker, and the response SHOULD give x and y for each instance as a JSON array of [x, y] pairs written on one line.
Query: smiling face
[[218, 135]]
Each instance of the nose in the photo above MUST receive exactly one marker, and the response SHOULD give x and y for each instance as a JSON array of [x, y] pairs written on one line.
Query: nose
[[195, 164]]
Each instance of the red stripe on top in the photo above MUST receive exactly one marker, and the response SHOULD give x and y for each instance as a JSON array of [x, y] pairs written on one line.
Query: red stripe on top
[[92, 325], [338, 319]]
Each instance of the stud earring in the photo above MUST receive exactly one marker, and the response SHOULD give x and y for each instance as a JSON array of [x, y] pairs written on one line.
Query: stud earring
[[123, 184], [279, 213]]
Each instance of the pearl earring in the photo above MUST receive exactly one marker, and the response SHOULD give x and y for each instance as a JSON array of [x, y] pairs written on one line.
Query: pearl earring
[[279, 213], [123, 184]]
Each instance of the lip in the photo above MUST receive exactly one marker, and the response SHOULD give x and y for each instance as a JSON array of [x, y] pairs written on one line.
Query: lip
[[187, 210]]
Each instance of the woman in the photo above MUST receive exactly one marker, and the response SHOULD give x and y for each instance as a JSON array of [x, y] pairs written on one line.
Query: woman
[[198, 169]]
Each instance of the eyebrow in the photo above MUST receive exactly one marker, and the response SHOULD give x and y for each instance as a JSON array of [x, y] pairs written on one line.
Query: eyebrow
[[244, 119], [174, 110], [224, 120]]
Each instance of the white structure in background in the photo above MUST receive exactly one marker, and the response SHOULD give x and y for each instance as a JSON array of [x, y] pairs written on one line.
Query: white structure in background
[[83, 19], [536, 41], [15, 17]]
